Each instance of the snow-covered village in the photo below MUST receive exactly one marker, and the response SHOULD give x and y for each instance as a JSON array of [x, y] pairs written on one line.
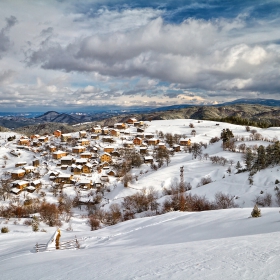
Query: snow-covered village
[[139, 139], [140, 184]]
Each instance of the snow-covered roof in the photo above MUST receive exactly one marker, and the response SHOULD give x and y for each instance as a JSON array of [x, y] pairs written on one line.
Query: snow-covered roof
[[19, 171], [58, 152]]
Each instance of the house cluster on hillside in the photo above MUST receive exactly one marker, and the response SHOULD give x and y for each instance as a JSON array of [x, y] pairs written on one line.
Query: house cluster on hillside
[[86, 159]]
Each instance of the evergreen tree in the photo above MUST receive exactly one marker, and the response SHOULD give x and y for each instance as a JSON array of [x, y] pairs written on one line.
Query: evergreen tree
[[248, 158], [226, 135], [238, 165], [261, 158]]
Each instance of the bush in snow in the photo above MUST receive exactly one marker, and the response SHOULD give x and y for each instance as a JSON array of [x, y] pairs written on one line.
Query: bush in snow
[[4, 230], [224, 201], [35, 223], [264, 201], [49, 214], [256, 212], [93, 222]]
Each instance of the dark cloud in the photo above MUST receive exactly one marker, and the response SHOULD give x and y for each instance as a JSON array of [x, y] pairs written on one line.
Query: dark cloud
[[46, 32], [190, 53], [5, 42]]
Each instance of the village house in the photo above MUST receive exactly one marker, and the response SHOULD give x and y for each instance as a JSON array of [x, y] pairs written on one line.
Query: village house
[[59, 154], [128, 144], [140, 135], [65, 137], [24, 142], [34, 136], [137, 124], [176, 148], [85, 183], [64, 178], [85, 155], [28, 169], [43, 139], [108, 139], [87, 168], [120, 125], [36, 184], [105, 157], [105, 130], [98, 185], [82, 134], [53, 175], [161, 145], [115, 154], [83, 142], [18, 174], [153, 141], [143, 150], [82, 161], [94, 136], [149, 135], [36, 162], [131, 121], [67, 160], [52, 149], [148, 159], [112, 173], [96, 129], [30, 189], [20, 184], [57, 133], [36, 143], [137, 141], [109, 149], [185, 142], [141, 130], [115, 132], [20, 163], [64, 167], [76, 169], [78, 149]]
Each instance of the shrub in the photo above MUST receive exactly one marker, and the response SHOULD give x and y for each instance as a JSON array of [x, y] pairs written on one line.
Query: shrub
[[277, 182], [49, 214], [256, 212], [35, 223], [224, 201], [214, 140], [205, 180], [93, 222], [264, 201], [4, 230], [27, 222]]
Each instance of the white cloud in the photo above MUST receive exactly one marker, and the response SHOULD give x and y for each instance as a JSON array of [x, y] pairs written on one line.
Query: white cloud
[[108, 55]]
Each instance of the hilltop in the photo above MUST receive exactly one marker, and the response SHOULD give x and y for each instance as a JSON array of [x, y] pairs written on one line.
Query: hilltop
[[251, 114]]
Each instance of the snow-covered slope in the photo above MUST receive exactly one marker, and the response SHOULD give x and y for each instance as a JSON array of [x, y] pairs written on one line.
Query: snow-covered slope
[[222, 244]]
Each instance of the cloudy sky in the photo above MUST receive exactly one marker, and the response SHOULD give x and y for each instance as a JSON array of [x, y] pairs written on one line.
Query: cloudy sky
[[66, 54]]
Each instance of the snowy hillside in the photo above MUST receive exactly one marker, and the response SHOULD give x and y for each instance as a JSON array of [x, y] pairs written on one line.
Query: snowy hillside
[[214, 244], [222, 244]]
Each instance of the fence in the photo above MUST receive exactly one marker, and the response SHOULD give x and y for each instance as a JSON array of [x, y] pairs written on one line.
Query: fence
[[64, 245]]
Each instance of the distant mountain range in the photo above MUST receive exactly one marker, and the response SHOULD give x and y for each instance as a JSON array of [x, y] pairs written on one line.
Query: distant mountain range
[[198, 112]]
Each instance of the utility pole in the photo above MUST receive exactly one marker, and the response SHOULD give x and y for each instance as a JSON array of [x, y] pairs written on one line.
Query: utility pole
[[181, 177]]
